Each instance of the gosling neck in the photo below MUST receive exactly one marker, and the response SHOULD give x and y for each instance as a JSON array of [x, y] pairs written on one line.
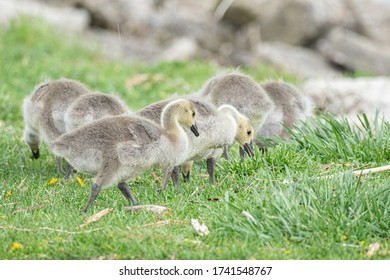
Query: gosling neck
[[169, 122], [229, 110]]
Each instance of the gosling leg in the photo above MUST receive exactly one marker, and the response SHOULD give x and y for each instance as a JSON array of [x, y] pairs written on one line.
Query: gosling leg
[[210, 162], [167, 173], [68, 170], [226, 150], [242, 153], [198, 167], [95, 190], [262, 149], [59, 165], [124, 188], [176, 177]]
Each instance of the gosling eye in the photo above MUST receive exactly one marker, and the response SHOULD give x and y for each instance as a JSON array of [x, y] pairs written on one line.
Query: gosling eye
[[193, 114], [249, 132]]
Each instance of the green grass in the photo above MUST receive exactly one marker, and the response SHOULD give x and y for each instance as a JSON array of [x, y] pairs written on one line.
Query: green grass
[[300, 209]]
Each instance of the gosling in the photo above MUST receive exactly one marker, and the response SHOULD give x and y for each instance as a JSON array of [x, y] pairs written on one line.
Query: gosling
[[218, 127], [242, 92], [291, 106], [122, 147], [44, 110], [91, 107]]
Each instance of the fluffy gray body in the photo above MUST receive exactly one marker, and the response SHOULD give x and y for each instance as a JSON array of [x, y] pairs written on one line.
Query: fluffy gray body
[[242, 92], [291, 106], [44, 111], [118, 148], [91, 107]]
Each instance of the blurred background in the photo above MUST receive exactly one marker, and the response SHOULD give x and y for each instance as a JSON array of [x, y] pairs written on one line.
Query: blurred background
[[339, 49]]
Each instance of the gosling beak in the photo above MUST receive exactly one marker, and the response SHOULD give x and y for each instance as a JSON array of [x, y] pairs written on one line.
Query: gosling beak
[[194, 130], [35, 154], [248, 148]]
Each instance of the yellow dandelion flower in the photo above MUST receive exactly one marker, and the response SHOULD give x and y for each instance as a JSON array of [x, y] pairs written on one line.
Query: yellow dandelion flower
[[57, 238], [287, 251], [53, 181], [15, 246], [80, 181], [8, 194], [344, 237], [362, 242], [42, 243]]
